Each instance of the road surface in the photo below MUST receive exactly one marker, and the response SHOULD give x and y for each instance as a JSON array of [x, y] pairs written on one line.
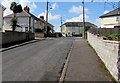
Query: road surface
[[39, 61]]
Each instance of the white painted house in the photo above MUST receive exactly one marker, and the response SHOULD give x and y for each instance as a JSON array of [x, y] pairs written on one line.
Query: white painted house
[[26, 21], [110, 19], [40, 25], [74, 28], [2, 8]]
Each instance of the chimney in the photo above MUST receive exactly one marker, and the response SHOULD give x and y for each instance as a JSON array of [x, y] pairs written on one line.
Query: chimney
[[42, 17], [27, 9]]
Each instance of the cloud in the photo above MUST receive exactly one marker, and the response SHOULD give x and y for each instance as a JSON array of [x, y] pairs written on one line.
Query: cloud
[[77, 19], [8, 2], [28, 3], [106, 12], [54, 6], [50, 16], [23, 3], [77, 10], [97, 22], [57, 28]]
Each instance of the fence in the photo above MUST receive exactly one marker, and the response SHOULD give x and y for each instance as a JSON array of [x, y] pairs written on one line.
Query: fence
[[105, 31]]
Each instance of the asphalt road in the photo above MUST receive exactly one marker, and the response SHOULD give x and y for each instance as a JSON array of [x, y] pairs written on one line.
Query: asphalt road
[[39, 61]]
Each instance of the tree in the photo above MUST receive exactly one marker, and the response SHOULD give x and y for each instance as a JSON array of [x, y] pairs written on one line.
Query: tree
[[16, 8], [87, 27]]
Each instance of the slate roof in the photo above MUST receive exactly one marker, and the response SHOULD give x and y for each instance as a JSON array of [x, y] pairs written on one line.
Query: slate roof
[[115, 12], [77, 24], [24, 14]]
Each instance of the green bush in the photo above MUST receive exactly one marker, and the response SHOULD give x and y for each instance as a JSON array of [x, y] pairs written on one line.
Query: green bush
[[14, 20], [103, 35], [114, 35], [111, 37]]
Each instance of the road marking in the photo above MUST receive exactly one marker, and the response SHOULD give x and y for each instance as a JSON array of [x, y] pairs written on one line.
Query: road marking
[[61, 80]]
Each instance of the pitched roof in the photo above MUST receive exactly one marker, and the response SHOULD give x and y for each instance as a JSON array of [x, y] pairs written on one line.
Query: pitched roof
[[24, 14], [51, 25], [115, 12], [77, 24]]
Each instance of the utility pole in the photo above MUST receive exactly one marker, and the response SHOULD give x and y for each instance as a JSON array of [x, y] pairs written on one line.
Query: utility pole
[[119, 4], [83, 19], [61, 24], [46, 18]]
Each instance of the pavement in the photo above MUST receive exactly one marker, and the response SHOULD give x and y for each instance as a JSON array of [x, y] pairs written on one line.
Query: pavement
[[84, 64], [38, 61]]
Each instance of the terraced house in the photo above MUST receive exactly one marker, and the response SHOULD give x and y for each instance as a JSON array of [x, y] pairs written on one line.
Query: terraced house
[[26, 22], [110, 19], [74, 28]]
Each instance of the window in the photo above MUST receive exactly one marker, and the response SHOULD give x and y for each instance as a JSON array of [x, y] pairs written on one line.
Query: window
[[117, 18], [73, 28], [73, 33], [35, 21]]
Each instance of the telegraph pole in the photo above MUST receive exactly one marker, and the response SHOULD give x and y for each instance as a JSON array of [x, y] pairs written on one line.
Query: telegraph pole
[[83, 19], [61, 24], [46, 18]]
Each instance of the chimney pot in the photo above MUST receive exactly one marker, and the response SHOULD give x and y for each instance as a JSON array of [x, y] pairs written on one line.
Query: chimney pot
[[27, 9], [42, 17]]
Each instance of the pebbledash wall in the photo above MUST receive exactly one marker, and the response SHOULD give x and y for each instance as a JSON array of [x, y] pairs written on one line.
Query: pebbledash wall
[[11, 37], [107, 51]]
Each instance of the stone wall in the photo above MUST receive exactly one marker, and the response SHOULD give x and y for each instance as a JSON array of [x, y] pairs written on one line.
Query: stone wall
[[107, 51], [11, 37], [40, 35]]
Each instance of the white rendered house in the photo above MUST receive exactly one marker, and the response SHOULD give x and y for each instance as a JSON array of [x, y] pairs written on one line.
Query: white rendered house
[[110, 19], [2, 8], [26, 21], [74, 28]]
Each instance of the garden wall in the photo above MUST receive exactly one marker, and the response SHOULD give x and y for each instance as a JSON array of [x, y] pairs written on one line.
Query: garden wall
[[107, 50], [41, 35], [11, 37]]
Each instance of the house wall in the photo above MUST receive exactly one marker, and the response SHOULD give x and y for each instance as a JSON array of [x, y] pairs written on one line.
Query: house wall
[[22, 21], [32, 24], [66, 30], [73, 29], [110, 22], [39, 25], [107, 51], [1, 18]]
